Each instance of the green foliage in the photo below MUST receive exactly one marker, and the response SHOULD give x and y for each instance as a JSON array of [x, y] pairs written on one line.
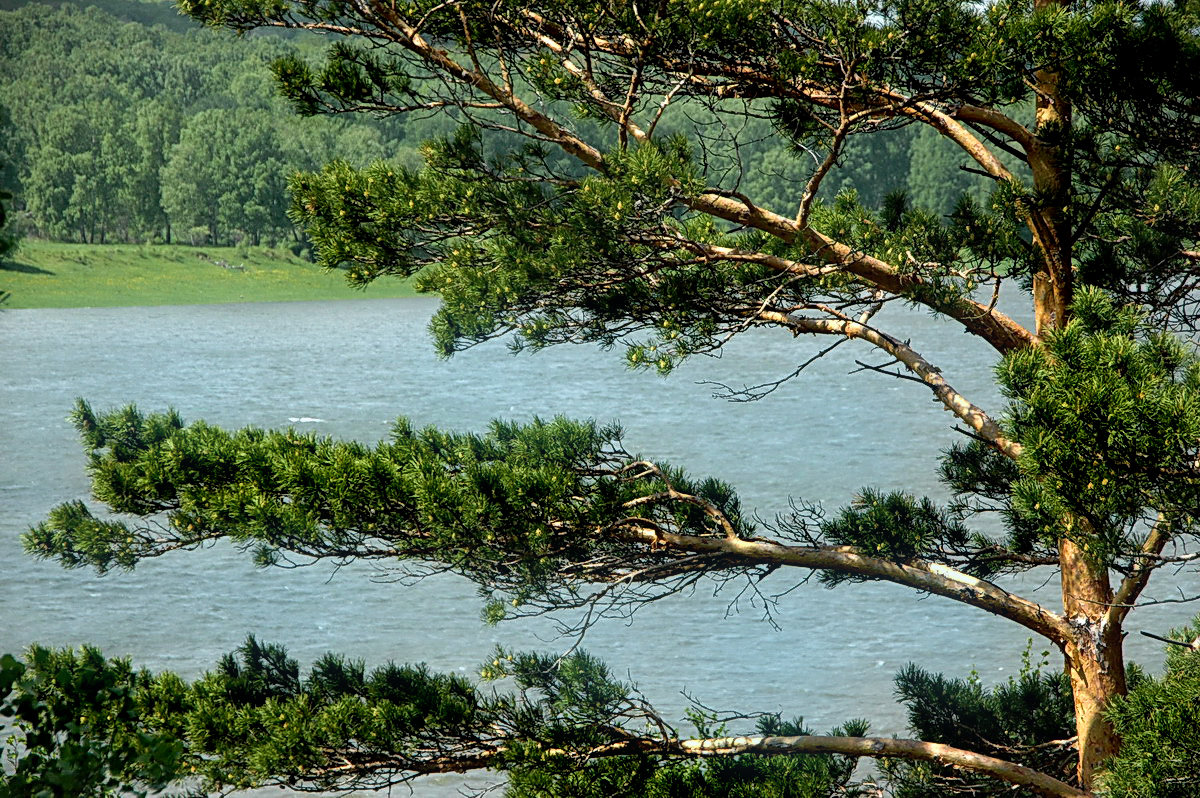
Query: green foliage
[[495, 245], [1159, 724], [255, 720], [1028, 719], [351, 79], [74, 723], [91, 185], [894, 526], [1109, 414], [631, 174], [800, 776], [225, 173], [8, 240], [513, 509], [92, 726], [159, 132]]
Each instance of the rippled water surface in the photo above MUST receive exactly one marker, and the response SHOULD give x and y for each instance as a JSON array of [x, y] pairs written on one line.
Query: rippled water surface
[[348, 369]]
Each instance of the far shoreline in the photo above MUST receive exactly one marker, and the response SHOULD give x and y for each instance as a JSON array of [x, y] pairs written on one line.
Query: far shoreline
[[45, 274]]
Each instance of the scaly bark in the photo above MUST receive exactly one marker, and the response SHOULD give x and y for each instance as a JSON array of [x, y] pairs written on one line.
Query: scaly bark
[[1095, 659], [1049, 161]]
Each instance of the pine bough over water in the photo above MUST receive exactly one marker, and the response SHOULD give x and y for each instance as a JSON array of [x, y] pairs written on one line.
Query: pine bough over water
[[594, 194]]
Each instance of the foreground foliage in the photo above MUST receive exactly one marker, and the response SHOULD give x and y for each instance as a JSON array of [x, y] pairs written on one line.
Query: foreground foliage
[[74, 723], [1160, 724], [77, 724], [87, 725]]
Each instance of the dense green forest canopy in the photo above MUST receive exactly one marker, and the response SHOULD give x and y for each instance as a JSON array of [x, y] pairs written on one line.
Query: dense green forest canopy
[[126, 121], [119, 130]]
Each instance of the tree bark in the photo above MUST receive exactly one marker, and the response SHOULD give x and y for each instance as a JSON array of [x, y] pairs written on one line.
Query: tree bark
[[933, 578], [358, 765], [1095, 660], [1049, 161], [885, 747]]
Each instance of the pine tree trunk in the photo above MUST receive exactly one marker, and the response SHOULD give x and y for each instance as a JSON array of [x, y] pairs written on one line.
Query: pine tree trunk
[[1095, 659], [1050, 225]]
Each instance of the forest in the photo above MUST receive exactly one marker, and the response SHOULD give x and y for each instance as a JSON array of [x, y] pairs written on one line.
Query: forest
[[127, 122]]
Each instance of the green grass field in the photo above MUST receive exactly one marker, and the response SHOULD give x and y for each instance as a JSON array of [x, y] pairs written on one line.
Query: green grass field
[[53, 275]]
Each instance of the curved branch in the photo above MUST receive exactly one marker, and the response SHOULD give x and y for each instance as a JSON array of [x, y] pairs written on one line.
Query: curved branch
[[714, 252], [973, 415], [998, 329], [934, 578], [707, 507], [1001, 123], [361, 765], [887, 747], [398, 30], [1132, 585]]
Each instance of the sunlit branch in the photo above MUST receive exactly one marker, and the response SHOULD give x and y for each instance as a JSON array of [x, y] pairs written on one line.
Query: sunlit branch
[[1132, 585], [383, 768], [931, 375], [671, 494], [888, 747], [713, 252], [888, 102], [999, 330], [1001, 123], [935, 578], [835, 150]]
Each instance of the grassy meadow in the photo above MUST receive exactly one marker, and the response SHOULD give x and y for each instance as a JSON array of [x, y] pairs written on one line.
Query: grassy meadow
[[55, 275]]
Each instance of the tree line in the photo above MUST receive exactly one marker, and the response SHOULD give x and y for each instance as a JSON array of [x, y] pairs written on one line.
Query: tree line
[[128, 123], [117, 130]]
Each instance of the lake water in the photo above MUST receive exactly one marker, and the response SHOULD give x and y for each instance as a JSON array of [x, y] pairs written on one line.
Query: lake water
[[349, 368]]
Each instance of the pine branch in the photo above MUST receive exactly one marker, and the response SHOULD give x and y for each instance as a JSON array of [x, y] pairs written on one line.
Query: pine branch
[[890, 747], [713, 747], [999, 330], [931, 375], [934, 578], [1132, 585]]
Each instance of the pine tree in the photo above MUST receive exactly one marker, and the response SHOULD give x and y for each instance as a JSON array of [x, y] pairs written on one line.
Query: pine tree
[[560, 212]]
